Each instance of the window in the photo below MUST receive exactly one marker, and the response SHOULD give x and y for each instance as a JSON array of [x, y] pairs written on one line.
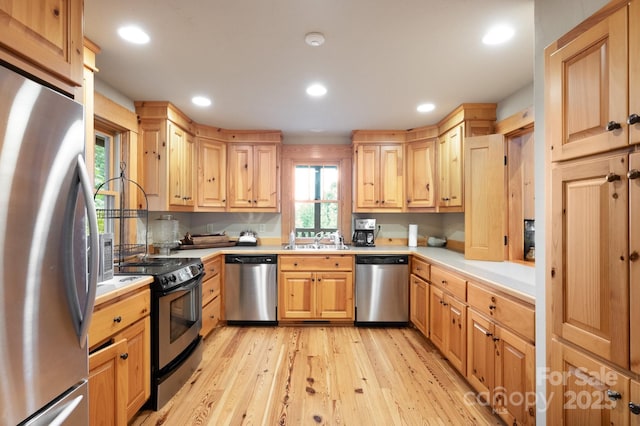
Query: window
[[316, 199], [106, 166]]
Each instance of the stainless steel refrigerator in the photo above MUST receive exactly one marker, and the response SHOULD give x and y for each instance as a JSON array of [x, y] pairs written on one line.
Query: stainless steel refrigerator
[[48, 255]]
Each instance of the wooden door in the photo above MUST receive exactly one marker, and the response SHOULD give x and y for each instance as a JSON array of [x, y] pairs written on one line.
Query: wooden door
[[153, 159], [586, 88], [108, 375], [334, 295], [485, 198], [634, 71], [240, 169], [584, 391], [212, 182], [450, 169], [367, 176], [515, 387], [391, 176], [589, 269], [456, 333], [480, 354], [437, 313], [176, 165], [265, 175], [420, 176], [298, 299], [138, 350], [419, 309], [634, 257]]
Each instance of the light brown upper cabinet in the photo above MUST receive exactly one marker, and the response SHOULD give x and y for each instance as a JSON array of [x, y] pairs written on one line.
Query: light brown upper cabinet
[[420, 179], [589, 80], [485, 198], [254, 177], [379, 176], [212, 171], [44, 40]]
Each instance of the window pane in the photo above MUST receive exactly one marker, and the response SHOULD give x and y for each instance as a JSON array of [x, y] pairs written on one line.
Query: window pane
[[102, 155], [305, 183], [305, 217], [329, 216], [329, 176]]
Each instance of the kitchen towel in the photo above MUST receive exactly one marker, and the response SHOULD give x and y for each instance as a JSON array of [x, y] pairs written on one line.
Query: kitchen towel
[[413, 235]]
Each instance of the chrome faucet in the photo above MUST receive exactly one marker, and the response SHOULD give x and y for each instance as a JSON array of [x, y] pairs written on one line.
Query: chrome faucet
[[317, 238]]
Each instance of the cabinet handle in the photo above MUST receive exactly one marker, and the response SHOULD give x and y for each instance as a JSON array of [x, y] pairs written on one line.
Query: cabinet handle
[[249, 201], [613, 395], [319, 279], [117, 319], [295, 264], [224, 201], [633, 174], [337, 264], [634, 256], [124, 355], [445, 304], [444, 282], [488, 334], [492, 307], [408, 201], [496, 339], [613, 125], [633, 119], [634, 408], [210, 291], [428, 187], [612, 177]]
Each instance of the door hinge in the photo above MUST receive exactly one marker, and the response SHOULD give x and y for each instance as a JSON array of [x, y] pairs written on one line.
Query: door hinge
[[506, 240]]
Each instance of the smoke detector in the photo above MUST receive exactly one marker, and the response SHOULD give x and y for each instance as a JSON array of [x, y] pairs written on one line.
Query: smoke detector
[[314, 39]]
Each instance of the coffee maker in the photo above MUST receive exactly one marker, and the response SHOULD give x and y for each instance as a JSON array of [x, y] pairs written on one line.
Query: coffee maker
[[364, 233]]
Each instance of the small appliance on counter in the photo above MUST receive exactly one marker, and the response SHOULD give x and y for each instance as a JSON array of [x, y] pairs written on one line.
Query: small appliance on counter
[[165, 234], [248, 238], [364, 233]]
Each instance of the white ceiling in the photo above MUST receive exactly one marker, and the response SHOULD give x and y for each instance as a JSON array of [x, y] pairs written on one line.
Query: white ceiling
[[380, 60]]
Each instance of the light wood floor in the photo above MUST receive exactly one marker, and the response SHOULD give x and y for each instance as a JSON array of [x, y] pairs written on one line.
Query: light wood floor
[[320, 375]]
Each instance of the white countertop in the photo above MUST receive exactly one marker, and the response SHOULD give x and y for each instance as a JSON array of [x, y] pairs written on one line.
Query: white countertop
[[515, 277], [118, 285]]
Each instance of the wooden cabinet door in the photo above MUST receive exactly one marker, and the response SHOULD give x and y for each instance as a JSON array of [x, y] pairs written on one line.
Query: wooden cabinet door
[[240, 169], [634, 403], [634, 264], [188, 165], [153, 160], [212, 174], [514, 393], [48, 34], [420, 176], [367, 176], [584, 391], [450, 169], [334, 295], [391, 176], [456, 333], [265, 175], [480, 354], [419, 308], [176, 148], [298, 298], [485, 198], [634, 70], [586, 88], [108, 375], [589, 269], [437, 313], [138, 359]]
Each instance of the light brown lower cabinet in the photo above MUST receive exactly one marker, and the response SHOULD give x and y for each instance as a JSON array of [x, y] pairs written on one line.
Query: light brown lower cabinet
[[108, 374], [501, 368], [448, 327], [419, 307], [211, 295]]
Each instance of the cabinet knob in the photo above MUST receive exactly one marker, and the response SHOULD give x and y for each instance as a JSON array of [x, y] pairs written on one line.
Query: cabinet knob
[[612, 177], [613, 125], [117, 319], [124, 355], [633, 174], [634, 408], [488, 334], [613, 395], [492, 307], [634, 256], [496, 339], [633, 119]]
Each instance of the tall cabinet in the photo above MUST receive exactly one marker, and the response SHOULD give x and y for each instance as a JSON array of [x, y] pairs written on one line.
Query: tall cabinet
[[591, 110]]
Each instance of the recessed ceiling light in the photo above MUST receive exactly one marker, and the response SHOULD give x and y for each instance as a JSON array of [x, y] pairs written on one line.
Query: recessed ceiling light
[[314, 39], [428, 107], [201, 101], [316, 90], [498, 34], [133, 34]]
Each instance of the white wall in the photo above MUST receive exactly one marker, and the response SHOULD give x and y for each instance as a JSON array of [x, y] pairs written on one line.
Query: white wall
[[515, 102], [553, 18]]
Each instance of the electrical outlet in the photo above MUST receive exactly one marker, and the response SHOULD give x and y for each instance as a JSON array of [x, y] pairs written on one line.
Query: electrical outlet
[[261, 227]]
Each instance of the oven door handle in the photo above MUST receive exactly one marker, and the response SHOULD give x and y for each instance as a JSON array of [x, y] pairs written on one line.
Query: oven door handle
[[188, 286]]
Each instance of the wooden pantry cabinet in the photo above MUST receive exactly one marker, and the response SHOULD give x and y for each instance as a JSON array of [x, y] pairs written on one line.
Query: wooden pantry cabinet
[[315, 287], [119, 358], [211, 296], [45, 39], [379, 171], [501, 353], [254, 177], [419, 295], [167, 156]]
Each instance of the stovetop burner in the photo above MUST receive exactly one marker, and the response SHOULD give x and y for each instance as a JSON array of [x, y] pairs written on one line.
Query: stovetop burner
[[168, 272]]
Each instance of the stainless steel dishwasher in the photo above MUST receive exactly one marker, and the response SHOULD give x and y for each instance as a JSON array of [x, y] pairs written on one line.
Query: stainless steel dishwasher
[[250, 289], [382, 290]]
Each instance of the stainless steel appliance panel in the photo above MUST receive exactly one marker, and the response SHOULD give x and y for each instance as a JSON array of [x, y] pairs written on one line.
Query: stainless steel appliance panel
[[382, 289], [251, 288], [46, 290]]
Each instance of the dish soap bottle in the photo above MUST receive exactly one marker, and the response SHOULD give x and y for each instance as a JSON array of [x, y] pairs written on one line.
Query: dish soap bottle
[[292, 240]]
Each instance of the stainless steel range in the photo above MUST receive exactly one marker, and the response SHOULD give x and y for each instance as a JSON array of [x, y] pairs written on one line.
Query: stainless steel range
[[176, 320]]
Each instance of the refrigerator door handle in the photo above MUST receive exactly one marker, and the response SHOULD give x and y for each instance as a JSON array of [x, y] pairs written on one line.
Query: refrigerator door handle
[[82, 317]]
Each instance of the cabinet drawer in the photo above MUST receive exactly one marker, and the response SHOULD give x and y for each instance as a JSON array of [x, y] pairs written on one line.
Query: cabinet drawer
[[420, 268], [212, 267], [449, 282], [512, 314], [316, 263], [114, 317], [210, 316], [210, 288]]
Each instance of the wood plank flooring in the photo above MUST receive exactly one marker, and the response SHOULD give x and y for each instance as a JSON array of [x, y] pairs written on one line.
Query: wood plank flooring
[[321, 375]]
